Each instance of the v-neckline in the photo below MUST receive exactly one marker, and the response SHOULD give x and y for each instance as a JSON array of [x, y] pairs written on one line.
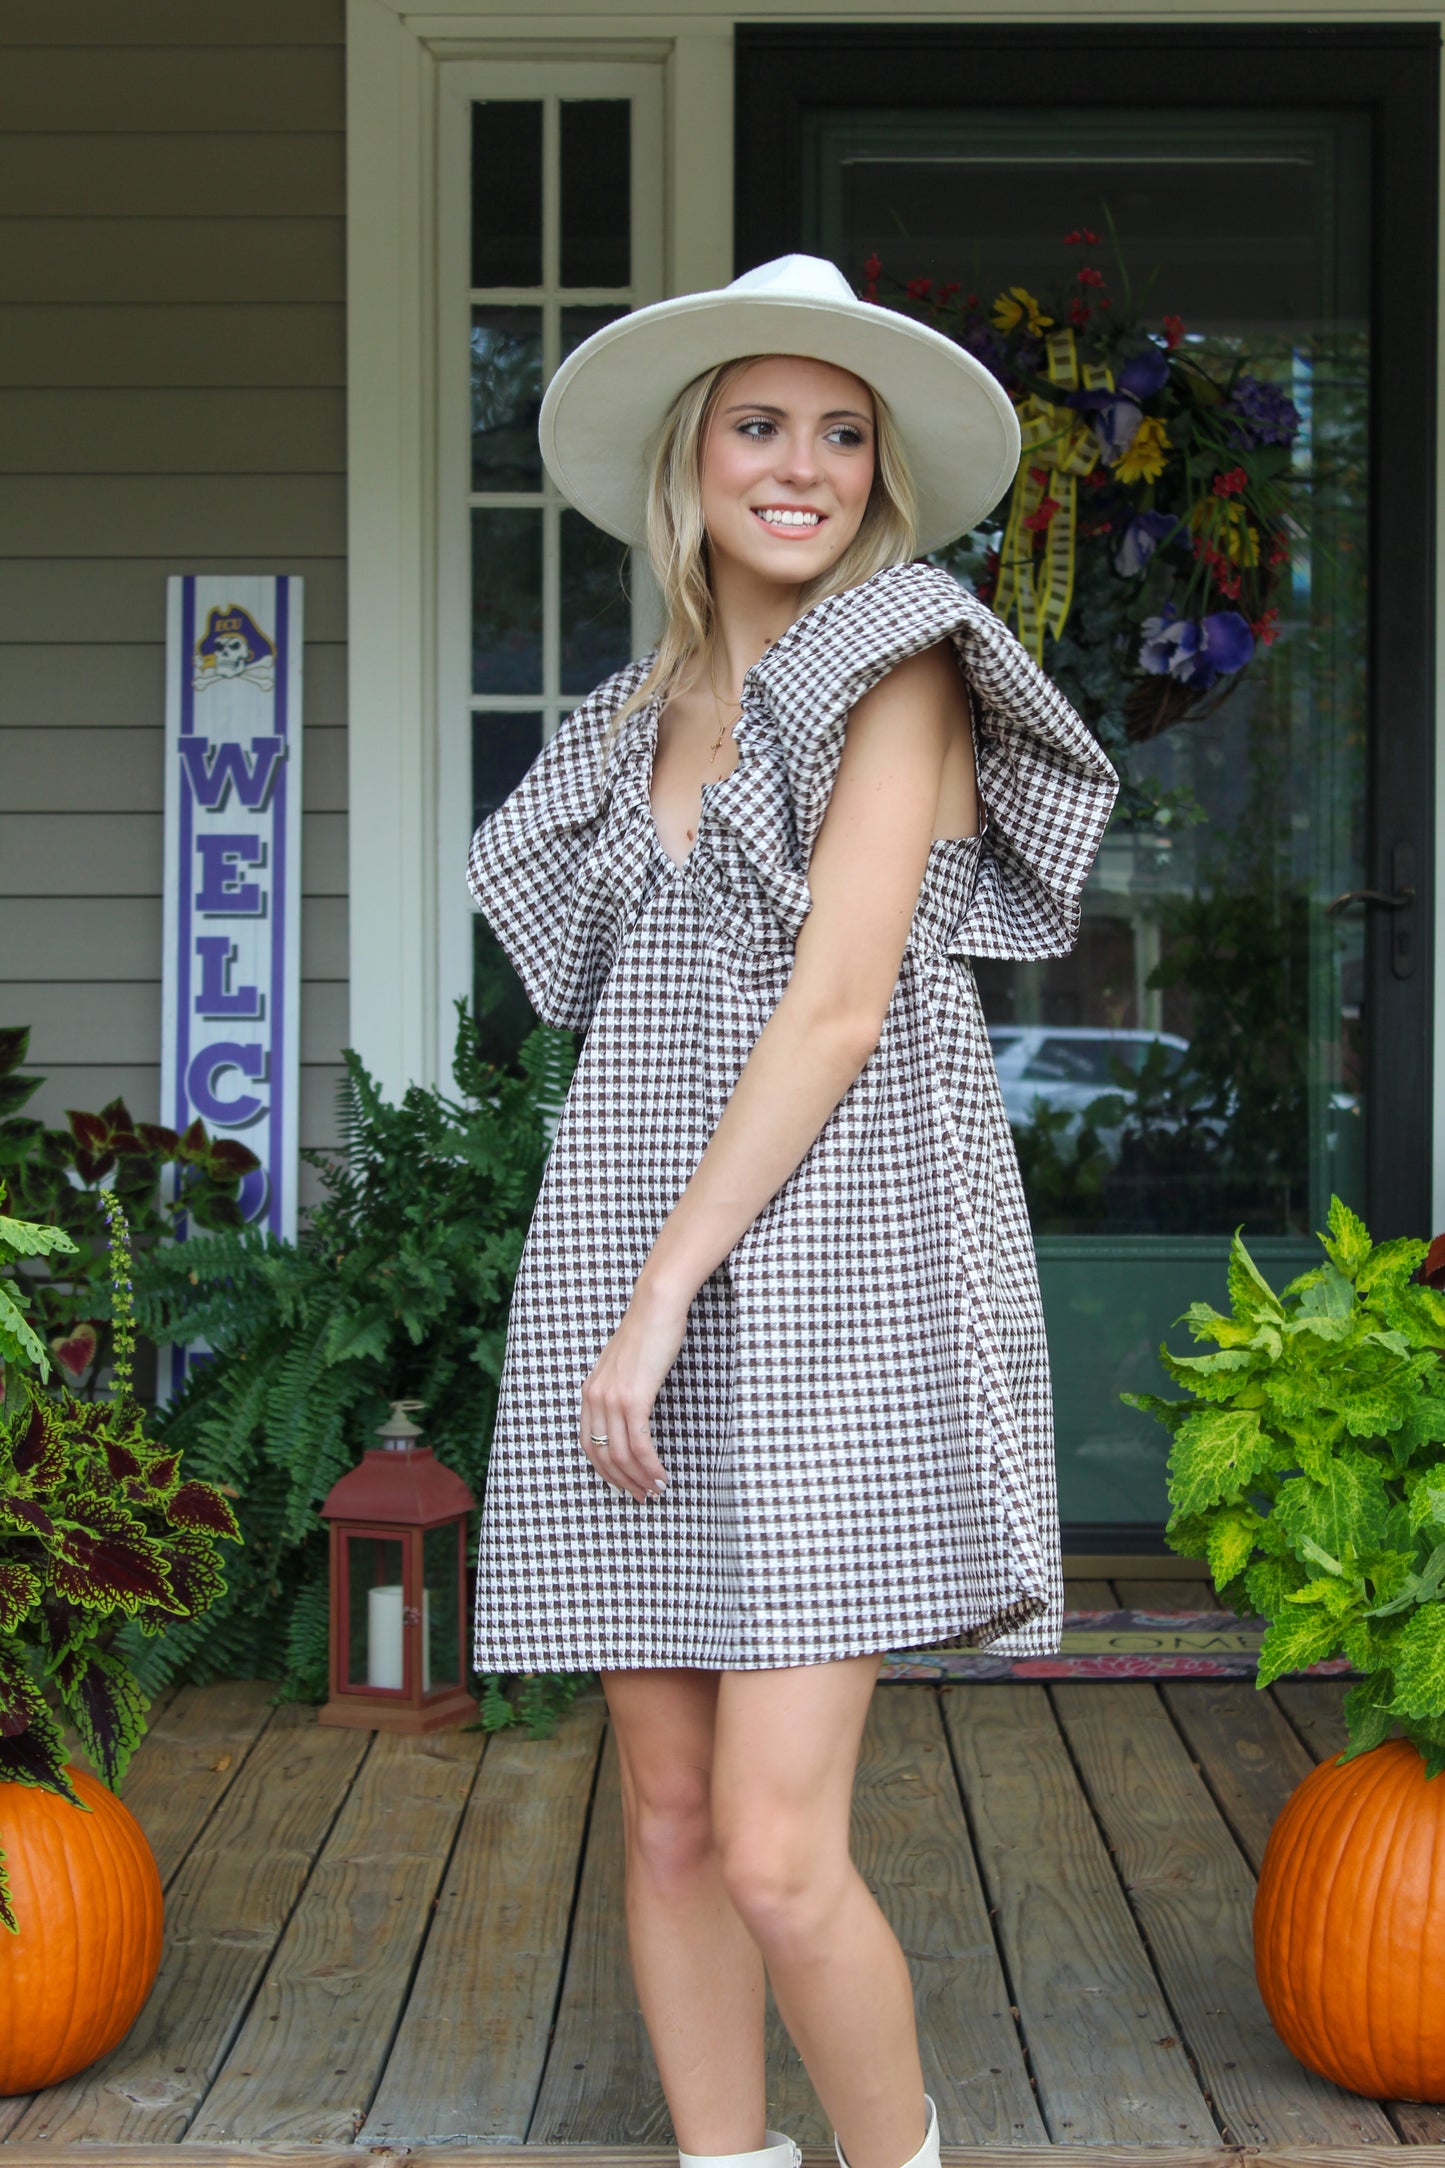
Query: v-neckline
[[652, 716]]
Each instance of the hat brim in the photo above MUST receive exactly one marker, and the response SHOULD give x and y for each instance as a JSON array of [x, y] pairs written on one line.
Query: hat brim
[[958, 427]]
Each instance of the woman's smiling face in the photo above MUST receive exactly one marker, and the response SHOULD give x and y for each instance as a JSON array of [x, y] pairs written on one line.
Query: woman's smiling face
[[787, 466]]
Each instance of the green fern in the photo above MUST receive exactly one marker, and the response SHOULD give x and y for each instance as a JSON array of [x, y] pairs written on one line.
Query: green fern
[[399, 1287]]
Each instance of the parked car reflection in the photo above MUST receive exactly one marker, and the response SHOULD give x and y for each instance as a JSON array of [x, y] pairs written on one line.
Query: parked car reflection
[[1069, 1066]]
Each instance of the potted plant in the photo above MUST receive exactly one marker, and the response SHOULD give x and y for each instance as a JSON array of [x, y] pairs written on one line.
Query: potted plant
[[1307, 1465], [95, 1522]]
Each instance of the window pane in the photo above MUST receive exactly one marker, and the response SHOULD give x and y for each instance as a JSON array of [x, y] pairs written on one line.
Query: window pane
[[507, 192], [506, 602], [504, 747], [579, 324], [596, 192], [440, 1636], [506, 393], [596, 614], [374, 1611]]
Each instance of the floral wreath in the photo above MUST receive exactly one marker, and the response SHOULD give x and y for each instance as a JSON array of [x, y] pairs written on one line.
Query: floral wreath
[[1180, 471]]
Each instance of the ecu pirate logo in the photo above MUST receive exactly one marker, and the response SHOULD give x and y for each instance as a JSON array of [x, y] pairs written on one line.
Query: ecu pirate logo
[[232, 647]]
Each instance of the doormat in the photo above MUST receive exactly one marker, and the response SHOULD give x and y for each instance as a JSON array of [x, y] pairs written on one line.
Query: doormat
[[1119, 1645]]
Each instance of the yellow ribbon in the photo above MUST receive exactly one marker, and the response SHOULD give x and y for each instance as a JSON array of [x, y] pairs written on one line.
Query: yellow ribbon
[[1058, 446]]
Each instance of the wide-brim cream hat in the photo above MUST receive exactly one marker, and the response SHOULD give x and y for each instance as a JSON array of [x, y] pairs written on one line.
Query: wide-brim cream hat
[[604, 405]]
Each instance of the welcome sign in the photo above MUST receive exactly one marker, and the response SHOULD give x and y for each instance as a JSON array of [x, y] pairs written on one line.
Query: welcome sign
[[231, 1001]]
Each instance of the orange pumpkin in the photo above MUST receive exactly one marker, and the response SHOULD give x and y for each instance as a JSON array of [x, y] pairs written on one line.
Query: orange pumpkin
[[1349, 1924], [87, 1894]]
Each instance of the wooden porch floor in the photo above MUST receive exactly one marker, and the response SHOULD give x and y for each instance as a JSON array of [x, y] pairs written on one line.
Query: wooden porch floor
[[381, 1946]]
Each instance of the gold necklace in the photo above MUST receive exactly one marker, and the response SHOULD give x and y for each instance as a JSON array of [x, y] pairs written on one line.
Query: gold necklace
[[718, 702]]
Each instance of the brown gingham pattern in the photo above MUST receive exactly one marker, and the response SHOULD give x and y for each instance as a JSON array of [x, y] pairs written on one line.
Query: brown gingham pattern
[[858, 1426]]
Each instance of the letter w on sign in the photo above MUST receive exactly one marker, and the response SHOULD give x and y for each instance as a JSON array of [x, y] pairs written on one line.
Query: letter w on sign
[[212, 769]]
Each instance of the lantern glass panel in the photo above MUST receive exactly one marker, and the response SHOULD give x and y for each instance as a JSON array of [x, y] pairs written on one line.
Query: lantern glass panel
[[440, 1614], [374, 1586]]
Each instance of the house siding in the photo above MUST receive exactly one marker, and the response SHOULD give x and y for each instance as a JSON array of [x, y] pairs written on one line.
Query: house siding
[[172, 399]]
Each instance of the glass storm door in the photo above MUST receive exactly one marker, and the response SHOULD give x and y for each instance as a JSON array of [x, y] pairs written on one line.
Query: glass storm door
[[1221, 1049]]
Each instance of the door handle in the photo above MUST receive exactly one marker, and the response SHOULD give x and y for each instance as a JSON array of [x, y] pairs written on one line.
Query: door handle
[[1402, 873], [1397, 902]]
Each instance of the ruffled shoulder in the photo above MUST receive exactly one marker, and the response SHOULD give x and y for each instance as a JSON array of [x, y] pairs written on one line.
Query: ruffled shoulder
[[535, 867], [1046, 785]]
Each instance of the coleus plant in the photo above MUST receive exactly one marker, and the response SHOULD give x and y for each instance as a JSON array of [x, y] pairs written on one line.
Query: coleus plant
[[62, 1178], [96, 1523], [1308, 1467]]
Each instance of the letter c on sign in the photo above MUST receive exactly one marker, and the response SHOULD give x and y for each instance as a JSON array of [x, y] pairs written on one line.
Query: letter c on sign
[[201, 1083]]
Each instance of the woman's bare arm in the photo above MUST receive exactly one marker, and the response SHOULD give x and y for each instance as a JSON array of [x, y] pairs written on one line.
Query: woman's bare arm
[[865, 876]]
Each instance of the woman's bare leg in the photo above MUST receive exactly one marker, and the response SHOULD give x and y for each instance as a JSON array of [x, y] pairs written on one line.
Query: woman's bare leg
[[697, 1970], [784, 1757]]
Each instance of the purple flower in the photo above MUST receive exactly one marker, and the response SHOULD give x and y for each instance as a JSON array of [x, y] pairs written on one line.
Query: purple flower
[[1195, 651], [1138, 542], [1143, 373], [1116, 423], [1259, 413]]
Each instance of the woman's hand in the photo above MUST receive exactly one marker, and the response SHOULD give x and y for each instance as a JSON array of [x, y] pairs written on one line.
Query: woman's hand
[[621, 1388]]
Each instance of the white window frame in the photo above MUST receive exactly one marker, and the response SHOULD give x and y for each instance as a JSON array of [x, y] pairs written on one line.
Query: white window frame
[[409, 793], [547, 82]]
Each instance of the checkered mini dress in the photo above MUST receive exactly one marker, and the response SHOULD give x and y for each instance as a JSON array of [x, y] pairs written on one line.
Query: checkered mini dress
[[858, 1426]]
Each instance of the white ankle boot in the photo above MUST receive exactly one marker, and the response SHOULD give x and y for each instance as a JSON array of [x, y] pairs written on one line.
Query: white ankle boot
[[779, 2152], [927, 2154]]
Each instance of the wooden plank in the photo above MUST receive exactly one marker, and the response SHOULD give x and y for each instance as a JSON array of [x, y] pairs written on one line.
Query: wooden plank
[[77, 935], [119, 431], [1097, 2029], [90, 599], [238, 2154], [600, 2085], [158, 89], [1194, 1896], [307, 2058], [194, 1751], [91, 687], [174, 22], [912, 1845], [90, 1085], [1313, 1708], [164, 259], [1144, 1593], [69, 1023], [87, 854], [225, 1913], [1088, 1596], [47, 771], [467, 2059], [222, 176], [283, 343], [1246, 1752], [155, 515], [1108, 1565]]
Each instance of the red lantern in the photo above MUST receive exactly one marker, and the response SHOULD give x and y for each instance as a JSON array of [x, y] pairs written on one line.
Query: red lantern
[[399, 1588]]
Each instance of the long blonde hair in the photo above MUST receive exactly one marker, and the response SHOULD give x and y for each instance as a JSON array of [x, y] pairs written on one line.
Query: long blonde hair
[[677, 540]]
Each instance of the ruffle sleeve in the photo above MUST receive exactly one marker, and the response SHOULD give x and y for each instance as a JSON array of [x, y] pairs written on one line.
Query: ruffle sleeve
[[541, 873], [1046, 786]]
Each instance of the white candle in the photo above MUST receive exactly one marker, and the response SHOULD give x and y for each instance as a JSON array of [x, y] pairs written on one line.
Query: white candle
[[385, 1648], [383, 1635]]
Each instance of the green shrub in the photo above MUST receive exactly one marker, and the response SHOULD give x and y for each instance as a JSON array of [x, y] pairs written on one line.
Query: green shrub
[[1308, 1468]]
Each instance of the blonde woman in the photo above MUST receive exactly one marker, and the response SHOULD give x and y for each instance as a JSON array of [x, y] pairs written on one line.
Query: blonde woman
[[775, 1397]]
